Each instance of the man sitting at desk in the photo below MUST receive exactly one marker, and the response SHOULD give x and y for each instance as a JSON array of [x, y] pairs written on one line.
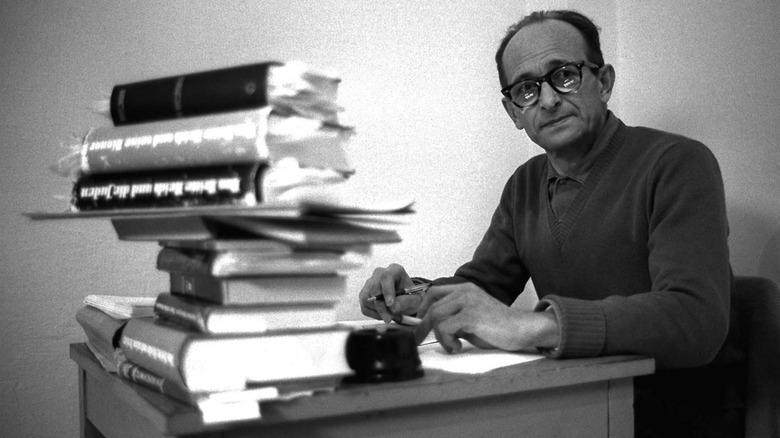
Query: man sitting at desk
[[622, 229]]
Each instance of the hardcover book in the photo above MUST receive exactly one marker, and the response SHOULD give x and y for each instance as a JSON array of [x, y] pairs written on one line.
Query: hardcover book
[[232, 362], [169, 387], [291, 87], [253, 136], [258, 263], [290, 290], [184, 187], [205, 317], [221, 406]]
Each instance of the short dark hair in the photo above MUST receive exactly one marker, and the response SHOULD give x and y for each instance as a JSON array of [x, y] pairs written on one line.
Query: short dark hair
[[585, 25]]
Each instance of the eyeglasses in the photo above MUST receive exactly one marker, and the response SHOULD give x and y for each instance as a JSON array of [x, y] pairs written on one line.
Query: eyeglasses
[[564, 79]]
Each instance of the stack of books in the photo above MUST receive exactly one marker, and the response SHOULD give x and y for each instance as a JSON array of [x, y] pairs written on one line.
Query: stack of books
[[212, 138], [205, 164]]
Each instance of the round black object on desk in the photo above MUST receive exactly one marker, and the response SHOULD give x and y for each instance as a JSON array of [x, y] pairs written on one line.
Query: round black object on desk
[[386, 354]]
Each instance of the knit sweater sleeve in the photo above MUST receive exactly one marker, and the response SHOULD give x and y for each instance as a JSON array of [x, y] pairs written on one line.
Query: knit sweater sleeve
[[683, 319], [495, 265]]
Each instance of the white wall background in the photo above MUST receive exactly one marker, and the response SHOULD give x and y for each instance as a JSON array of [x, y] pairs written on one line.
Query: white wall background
[[420, 84]]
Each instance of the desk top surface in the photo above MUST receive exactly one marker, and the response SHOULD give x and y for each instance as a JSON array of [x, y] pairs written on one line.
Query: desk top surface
[[434, 387]]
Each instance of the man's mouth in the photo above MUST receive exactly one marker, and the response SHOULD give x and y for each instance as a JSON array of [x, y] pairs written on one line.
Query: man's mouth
[[554, 121]]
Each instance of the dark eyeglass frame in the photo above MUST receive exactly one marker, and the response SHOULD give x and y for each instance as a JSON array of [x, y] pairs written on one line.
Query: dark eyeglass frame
[[506, 91]]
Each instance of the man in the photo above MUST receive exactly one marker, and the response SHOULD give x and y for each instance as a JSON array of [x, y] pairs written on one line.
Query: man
[[622, 229]]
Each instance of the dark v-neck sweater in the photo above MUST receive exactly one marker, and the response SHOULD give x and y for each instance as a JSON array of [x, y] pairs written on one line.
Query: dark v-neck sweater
[[639, 262]]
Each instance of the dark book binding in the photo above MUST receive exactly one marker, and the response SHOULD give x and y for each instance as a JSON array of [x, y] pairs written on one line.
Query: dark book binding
[[190, 94], [196, 186]]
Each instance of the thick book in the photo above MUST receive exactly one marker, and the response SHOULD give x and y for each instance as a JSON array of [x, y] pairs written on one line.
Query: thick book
[[289, 290], [206, 317], [184, 187], [221, 406], [142, 376], [259, 263], [251, 136], [211, 363], [291, 87]]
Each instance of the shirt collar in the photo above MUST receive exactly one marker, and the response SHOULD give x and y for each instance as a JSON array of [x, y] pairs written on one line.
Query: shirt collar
[[610, 126]]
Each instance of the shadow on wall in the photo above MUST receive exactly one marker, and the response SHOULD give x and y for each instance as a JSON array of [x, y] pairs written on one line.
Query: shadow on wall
[[769, 262], [755, 242]]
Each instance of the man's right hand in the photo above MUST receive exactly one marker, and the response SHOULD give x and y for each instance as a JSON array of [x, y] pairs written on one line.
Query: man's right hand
[[385, 282]]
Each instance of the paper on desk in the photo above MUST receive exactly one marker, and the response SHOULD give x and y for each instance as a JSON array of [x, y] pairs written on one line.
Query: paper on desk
[[470, 359]]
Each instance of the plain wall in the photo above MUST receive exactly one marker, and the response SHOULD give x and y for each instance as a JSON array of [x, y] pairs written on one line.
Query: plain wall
[[420, 85]]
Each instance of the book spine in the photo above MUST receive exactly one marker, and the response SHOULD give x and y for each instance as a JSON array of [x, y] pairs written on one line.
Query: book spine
[[148, 379], [155, 347], [235, 137], [220, 185], [182, 312], [191, 94], [202, 287]]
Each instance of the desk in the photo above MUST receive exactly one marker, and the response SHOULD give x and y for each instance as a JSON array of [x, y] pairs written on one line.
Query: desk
[[545, 398]]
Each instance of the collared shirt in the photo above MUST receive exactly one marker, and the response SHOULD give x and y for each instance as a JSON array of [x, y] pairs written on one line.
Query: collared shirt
[[562, 189]]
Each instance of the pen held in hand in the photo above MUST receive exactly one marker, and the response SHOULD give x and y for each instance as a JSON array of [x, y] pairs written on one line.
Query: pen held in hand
[[416, 289], [407, 320]]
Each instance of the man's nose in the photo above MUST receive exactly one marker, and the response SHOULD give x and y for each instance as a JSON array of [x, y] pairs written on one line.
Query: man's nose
[[548, 97]]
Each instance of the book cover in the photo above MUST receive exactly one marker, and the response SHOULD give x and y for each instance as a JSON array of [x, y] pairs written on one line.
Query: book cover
[[148, 379], [184, 187], [292, 87], [188, 223], [231, 362], [237, 263], [205, 317], [297, 289], [314, 231], [252, 136], [235, 137]]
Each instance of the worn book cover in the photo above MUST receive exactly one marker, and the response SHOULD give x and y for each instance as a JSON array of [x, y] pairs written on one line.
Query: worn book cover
[[231, 362]]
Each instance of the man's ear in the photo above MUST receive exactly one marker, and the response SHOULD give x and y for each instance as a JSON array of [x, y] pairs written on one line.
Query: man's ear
[[511, 111], [606, 82]]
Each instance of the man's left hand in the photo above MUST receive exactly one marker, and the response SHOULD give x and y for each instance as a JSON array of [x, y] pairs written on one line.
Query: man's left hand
[[465, 311]]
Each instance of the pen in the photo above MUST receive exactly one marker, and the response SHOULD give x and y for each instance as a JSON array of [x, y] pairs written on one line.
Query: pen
[[407, 320], [417, 288]]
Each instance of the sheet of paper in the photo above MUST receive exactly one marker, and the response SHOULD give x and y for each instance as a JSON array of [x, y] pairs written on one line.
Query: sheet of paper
[[470, 360], [122, 307]]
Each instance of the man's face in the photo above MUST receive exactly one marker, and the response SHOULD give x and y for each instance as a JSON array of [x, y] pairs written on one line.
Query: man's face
[[559, 123]]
